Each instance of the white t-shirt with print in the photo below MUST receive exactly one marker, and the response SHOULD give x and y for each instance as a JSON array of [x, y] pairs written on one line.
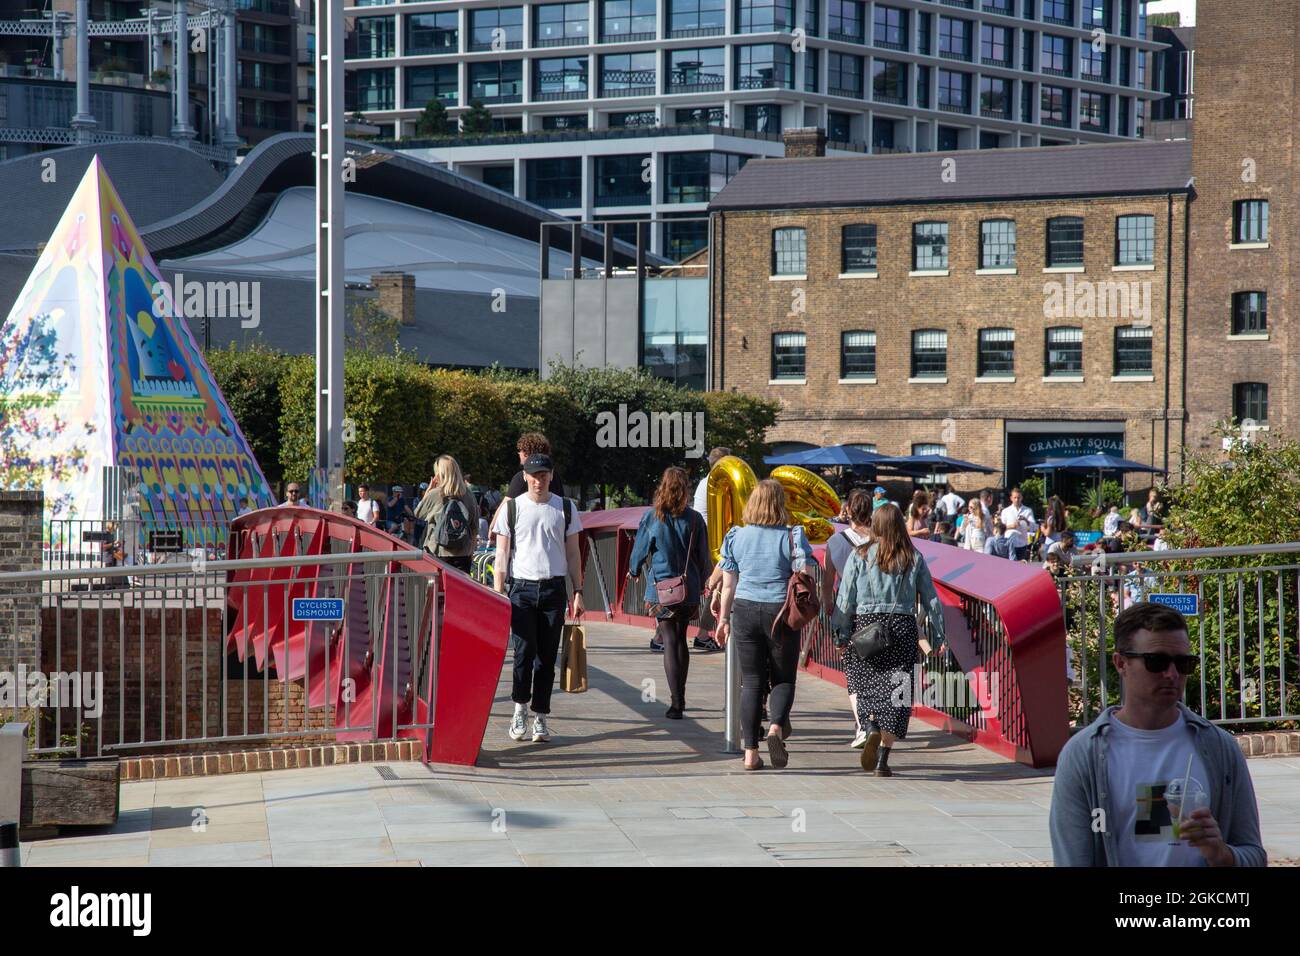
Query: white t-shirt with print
[[538, 548], [1138, 765], [839, 549]]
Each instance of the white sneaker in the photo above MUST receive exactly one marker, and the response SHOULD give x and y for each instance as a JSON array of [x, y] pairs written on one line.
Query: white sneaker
[[860, 740], [540, 731], [519, 725]]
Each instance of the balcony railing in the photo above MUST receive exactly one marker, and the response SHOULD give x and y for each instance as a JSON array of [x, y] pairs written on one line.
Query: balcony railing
[[954, 55], [626, 37], [966, 4], [995, 114], [605, 92], [265, 122], [542, 96], [1060, 21], [1002, 8], [478, 46], [584, 135], [995, 61], [760, 83], [890, 44], [515, 97], [845, 37], [1103, 127], [954, 108], [266, 84], [1051, 121], [845, 91], [560, 41], [697, 32], [704, 86], [897, 98], [1052, 71], [624, 199]]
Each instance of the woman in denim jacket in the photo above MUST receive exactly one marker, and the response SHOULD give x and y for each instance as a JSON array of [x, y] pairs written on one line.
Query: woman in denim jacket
[[757, 561], [881, 583], [672, 537]]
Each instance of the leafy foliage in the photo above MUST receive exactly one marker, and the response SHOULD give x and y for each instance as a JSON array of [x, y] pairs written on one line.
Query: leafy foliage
[[477, 119], [250, 377], [739, 422], [1111, 493], [433, 120], [1034, 491], [371, 329]]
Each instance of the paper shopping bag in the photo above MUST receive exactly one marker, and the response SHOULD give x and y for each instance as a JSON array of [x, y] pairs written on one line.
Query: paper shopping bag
[[573, 659]]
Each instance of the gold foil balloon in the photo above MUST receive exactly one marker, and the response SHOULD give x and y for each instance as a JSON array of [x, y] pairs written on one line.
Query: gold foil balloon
[[731, 482], [817, 529], [811, 501]]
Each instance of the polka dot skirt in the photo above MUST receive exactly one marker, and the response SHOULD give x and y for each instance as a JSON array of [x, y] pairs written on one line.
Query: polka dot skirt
[[886, 678]]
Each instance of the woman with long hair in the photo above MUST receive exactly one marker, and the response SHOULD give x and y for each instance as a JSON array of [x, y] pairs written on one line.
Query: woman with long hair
[[445, 508], [1055, 521], [673, 538], [975, 528], [918, 515], [881, 584], [857, 510], [758, 558]]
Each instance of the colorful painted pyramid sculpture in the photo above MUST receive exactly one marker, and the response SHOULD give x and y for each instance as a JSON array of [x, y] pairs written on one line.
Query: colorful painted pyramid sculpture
[[130, 387]]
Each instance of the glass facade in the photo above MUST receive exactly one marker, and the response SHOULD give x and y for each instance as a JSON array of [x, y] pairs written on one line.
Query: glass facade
[[844, 74], [699, 176], [497, 81], [425, 83], [764, 66], [375, 37], [623, 180], [890, 27], [561, 24], [627, 74], [496, 28], [701, 116], [764, 16], [954, 38], [696, 70], [375, 89], [676, 324], [888, 81], [845, 20], [554, 182], [954, 91], [431, 33], [622, 20], [561, 78], [696, 17]]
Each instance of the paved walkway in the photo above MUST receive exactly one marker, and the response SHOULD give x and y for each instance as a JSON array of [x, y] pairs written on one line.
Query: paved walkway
[[622, 785]]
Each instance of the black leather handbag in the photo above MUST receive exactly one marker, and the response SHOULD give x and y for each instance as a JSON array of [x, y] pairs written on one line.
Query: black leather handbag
[[871, 640]]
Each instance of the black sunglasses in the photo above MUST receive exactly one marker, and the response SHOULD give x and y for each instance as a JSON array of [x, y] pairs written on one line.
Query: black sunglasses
[[1159, 663]]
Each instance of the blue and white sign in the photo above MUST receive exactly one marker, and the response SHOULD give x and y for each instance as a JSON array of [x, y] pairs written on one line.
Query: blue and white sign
[[1189, 605], [1086, 537], [318, 609]]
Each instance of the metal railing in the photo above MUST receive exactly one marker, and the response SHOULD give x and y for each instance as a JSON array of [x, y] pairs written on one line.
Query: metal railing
[[207, 659], [1245, 632]]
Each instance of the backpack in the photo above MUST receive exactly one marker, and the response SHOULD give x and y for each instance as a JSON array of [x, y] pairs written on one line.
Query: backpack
[[510, 523], [452, 529]]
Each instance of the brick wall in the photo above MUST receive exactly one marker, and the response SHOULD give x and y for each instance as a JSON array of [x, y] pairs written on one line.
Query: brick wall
[[20, 550], [1246, 67], [177, 684], [966, 415]]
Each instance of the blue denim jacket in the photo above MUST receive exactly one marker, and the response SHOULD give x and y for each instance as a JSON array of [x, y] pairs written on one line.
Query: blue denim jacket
[[866, 589], [761, 555], [664, 544]]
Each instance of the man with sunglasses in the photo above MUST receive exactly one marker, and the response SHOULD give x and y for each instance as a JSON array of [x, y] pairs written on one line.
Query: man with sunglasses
[[1109, 805]]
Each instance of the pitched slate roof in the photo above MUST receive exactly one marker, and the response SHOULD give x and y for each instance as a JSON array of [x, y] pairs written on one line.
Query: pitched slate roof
[[1108, 169]]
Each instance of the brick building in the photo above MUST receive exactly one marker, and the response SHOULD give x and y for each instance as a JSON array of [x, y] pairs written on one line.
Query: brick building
[[1002, 307]]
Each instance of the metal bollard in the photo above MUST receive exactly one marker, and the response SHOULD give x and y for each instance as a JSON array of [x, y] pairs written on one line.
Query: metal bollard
[[734, 742], [11, 854]]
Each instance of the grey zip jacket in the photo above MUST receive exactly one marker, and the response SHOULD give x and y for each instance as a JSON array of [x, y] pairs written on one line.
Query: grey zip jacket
[[868, 590], [1081, 788]]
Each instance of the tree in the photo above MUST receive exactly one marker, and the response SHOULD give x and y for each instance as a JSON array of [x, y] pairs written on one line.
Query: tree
[[250, 378], [370, 329], [36, 444], [357, 117], [433, 121], [476, 120], [740, 422]]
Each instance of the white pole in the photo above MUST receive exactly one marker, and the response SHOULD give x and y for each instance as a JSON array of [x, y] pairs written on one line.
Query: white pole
[[330, 294]]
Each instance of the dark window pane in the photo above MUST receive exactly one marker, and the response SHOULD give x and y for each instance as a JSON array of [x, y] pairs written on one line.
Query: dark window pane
[[788, 355], [1249, 313], [1065, 241], [858, 252], [997, 352], [789, 251], [858, 355], [1133, 350]]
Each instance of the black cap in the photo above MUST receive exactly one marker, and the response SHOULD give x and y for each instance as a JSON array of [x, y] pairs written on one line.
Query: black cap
[[536, 463]]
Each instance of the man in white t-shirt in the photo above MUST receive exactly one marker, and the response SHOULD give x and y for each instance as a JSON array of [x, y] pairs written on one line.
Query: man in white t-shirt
[[367, 507], [950, 504], [1151, 783], [701, 501], [1020, 524], [537, 557]]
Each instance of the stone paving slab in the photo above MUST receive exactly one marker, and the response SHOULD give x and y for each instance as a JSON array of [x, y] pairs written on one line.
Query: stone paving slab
[[621, 785]]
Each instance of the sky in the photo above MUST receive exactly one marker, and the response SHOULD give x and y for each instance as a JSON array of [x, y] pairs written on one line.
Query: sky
[[1186, 7]]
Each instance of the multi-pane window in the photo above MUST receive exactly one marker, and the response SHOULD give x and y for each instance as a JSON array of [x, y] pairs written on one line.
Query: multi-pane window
[[1096, 14], [763, 66], [702, 116], [1094, 64], [845, 21], [696, 17], [839, 127], [1135, 240], [376, 37], [888, 81], [1026, 102], [788, 355], [789, 251], [1250, 402], [843, 74], [995, 45], [635, 119], [699, 176], [1027, 50], [563, 78], [858, 248], [1250, 220], [496, 28], [998, 244], [1064, 351], [997, 352], [375, 89], [428, 33], [857, 354], [554, 182], [620, 181], [923, 33], [812, 17], [882, 134], [923, 87], [763, 117], [1249, 313], [929, 353], [1094, 111], [995, 97], [890, 28], [1059, 11], [425, 83], [627, 74], [696, 71], [1056, 55], [954, 38], [929, 246], [561, 24], [1133, 350], [811, 60], [764, 16], [954, 91], [627, 20], [1054, 110], [1064, 242], [496, 82]]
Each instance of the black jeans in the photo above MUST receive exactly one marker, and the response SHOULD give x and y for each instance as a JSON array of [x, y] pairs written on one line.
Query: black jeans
[[671, 631], [763, 661], [537, 611]]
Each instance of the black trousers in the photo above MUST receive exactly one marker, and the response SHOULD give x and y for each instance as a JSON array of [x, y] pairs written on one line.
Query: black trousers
[[671, 631], [537, 611], [763, 661]]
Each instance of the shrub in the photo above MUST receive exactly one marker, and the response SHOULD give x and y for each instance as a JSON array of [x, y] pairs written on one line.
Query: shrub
[[250, 378]]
